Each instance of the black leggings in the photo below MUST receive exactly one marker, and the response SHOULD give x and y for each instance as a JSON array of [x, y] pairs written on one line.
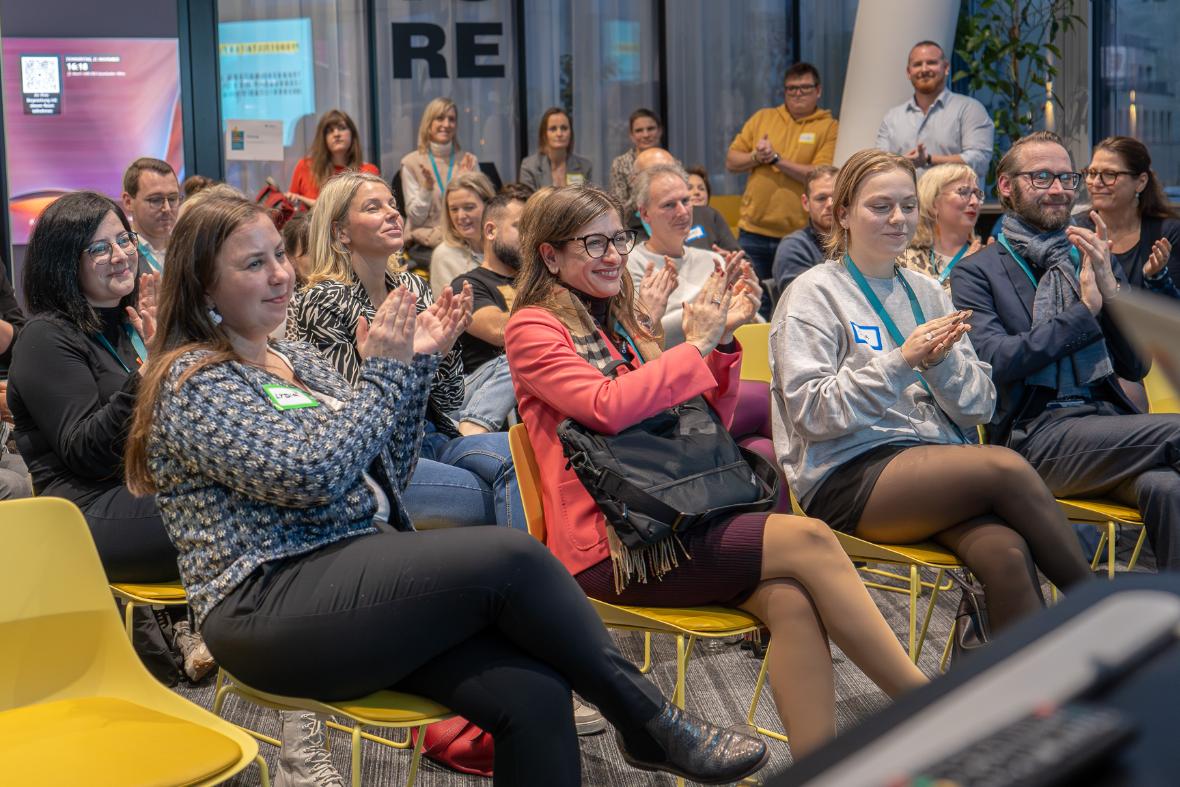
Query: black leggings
[[131, 539], [988, 506], [483, 620]]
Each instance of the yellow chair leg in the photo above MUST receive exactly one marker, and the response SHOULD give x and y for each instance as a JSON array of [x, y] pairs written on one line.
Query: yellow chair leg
[[946, 650], [1110, 548], [929, 612], [758, 686], [683, 650], [356, 755], [369, 736], [1138, 548], [646, 668], [915, 589], [128, 608], [263, 771], [218, 691], [1098, 552], [416, 757]]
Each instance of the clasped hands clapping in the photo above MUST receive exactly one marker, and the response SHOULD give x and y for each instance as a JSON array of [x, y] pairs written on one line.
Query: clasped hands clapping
[[399, 331], [729, 299]]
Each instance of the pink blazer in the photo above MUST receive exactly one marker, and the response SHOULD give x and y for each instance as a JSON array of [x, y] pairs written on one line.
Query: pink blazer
[[553, 383]]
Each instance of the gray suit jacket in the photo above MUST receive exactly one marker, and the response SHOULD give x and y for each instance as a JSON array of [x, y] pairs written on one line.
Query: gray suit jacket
[[536, 173]]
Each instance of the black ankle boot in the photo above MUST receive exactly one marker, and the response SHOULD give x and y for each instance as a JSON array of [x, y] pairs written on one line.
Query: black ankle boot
[[697, 750]]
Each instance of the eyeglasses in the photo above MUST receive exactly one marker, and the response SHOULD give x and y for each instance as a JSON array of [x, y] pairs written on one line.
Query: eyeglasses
[[799, 90], [1043, 179], [1107, 177], [596, 244], [101, 250], [967, 192], [157, 202]]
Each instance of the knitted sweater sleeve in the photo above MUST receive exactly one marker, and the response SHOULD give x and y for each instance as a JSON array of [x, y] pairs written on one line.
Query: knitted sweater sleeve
[[220, 427]]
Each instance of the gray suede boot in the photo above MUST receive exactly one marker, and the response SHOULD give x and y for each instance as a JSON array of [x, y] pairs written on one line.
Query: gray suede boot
[[303, 760]]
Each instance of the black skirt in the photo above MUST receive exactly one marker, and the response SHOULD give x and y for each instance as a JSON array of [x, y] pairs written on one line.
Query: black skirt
[[840, 499]]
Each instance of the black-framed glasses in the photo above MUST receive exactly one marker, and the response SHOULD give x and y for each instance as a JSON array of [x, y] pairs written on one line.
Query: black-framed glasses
[[1107, 177], [101, 250], [1043, 179], [156, 202], [799, 90], [596, 244], [965, 193]]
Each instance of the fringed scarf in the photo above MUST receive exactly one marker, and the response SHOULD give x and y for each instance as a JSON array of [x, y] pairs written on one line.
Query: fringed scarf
[[583, 317]]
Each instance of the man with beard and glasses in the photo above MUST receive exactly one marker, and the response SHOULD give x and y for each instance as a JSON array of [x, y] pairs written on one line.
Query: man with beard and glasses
[[937, 126], [1037, 299], [489, 398]]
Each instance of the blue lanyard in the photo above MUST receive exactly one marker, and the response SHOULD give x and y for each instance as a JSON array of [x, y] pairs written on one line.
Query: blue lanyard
[[1003, 241], [136, 342], [146, 253], [891, 326], [946, 272], [621, 331], [450, 168]]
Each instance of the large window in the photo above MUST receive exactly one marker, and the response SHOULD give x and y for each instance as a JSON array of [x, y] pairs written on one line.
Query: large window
[[291, 61], [717, 79], [1137, 61], [600, 61]]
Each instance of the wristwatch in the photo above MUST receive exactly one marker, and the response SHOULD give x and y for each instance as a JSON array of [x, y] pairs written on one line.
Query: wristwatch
[[774, 160]]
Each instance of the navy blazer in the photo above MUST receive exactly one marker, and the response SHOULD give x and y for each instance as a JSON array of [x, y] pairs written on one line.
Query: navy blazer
[[996, 289]]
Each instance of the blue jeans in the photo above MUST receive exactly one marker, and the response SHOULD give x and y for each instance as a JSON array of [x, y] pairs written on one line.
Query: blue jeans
[[760, 251], [488, 397], [464, 481]]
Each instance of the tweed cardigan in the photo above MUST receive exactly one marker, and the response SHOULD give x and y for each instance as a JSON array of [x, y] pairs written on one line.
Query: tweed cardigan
[[241, 483]]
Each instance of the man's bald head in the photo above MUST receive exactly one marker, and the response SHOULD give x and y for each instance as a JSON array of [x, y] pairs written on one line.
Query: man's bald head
[[652, 157]]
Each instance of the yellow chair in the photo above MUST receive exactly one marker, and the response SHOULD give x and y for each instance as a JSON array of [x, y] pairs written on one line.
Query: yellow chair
[[76, 704], [136, 594], [389, 709], [755, 341], [1161, 396], [925, 554], [730, 208], [687, 624], [1109, 516]]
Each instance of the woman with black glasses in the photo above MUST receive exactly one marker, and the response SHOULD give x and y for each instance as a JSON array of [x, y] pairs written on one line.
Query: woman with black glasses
[[1144, 231], [73, 380]]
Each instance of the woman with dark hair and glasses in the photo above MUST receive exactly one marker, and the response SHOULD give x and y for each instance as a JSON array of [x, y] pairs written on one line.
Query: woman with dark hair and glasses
[[73, 381], [1144, 231]]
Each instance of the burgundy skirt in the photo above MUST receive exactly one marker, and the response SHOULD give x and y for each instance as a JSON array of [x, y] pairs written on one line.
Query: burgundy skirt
[[724, 569]]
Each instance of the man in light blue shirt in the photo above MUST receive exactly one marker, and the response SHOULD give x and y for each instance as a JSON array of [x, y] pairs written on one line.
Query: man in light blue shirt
[[937, 126]]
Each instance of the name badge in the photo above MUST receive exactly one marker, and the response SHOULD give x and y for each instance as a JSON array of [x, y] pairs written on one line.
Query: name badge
[[574, 179], [866, 334], [284, 397], [807, 138], [696, 232]]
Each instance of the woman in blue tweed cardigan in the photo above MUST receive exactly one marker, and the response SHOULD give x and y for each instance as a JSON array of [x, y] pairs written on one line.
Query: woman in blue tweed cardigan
[[276, 479]]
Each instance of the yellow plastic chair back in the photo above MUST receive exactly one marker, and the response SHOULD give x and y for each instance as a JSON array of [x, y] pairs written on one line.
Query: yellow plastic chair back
[[755, 341], [76, 704], [730, 208], [528, 476], [1161, 396]]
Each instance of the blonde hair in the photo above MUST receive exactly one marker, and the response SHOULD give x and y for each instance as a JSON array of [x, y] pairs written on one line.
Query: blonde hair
[[930, 185], [479, 185], [330, 260], [434, 110], [859, 167], [212, 191]]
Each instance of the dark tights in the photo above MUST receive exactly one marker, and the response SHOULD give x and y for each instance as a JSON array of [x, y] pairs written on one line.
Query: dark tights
[[988, 506]]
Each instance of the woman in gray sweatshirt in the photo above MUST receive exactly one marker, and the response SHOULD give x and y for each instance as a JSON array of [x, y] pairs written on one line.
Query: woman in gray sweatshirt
[[877, 392]]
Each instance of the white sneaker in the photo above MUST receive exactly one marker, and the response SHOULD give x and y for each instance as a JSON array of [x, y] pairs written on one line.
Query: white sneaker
[[198, 661], [303, 759], [587, 719]]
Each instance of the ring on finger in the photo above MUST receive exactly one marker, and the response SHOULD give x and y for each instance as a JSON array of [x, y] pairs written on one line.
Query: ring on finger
[[929, 336]]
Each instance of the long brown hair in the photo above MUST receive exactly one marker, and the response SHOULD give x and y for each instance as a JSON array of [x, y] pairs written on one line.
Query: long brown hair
[[1153, 203], [859, 167], [550, 216], [183, 323], [321, 159]]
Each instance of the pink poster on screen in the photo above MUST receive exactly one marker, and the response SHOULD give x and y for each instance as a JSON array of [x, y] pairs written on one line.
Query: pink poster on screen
[[79, 110]]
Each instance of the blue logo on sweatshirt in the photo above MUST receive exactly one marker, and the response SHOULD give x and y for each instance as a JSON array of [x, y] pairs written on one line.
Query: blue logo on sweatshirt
[[866, 334]]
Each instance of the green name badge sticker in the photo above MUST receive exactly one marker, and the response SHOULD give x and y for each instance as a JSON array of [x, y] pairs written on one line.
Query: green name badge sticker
[[284, 397]]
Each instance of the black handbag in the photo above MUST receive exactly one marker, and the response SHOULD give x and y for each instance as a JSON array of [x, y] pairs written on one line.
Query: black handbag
[[971, 623], [669, 473]]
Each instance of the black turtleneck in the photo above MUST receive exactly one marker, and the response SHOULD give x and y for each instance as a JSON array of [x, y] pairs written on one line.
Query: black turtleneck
[[72, 402]]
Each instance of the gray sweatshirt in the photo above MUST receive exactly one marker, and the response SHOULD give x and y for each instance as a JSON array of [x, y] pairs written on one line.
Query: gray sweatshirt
[[840, 383]]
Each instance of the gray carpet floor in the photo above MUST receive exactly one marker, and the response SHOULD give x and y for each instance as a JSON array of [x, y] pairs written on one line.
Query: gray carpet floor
[[721, 680]]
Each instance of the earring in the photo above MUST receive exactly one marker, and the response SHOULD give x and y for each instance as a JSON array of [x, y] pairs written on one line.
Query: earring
[[214, 315]]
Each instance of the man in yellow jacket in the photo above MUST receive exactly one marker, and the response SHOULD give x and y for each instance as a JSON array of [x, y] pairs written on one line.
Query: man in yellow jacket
[[779, 146]]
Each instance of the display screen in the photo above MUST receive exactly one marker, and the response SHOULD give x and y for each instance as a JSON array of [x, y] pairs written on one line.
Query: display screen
[[78, 110], [267, 72]]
